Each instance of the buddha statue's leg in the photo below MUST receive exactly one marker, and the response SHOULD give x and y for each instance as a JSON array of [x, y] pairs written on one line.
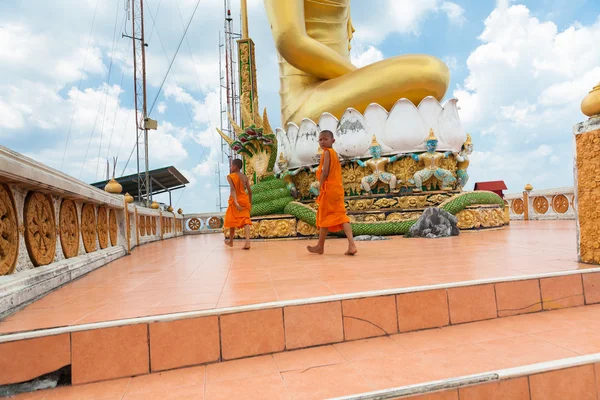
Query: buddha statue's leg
[[412, 76]]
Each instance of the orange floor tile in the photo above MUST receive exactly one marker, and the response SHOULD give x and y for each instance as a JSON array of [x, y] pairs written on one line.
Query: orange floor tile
[[366, 365], [198, 272]]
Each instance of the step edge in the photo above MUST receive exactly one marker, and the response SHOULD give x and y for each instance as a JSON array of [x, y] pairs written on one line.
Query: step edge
[[277, 304], [467, 380]]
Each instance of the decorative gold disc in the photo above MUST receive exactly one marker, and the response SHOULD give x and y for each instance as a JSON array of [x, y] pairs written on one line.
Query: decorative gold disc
[[68, 225], [40, 228], [112, 227], [88, 227], [9, 232]]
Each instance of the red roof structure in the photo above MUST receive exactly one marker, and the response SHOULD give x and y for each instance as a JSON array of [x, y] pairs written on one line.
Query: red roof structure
[[492, 186]]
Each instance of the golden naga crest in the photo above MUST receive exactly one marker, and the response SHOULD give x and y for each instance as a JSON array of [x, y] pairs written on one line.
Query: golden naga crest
[[256, 142]]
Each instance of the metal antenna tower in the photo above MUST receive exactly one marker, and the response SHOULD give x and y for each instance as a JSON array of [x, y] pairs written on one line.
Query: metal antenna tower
[[139, 88], [229, 97]]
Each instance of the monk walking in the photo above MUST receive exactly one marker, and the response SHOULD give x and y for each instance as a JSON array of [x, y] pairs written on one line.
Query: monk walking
[[240, 202], [331, 214]]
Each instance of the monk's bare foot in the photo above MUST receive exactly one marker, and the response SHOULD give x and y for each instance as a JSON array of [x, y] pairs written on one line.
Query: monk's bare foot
[[351, 250], [246, 246], [229, 242], [315, 249]]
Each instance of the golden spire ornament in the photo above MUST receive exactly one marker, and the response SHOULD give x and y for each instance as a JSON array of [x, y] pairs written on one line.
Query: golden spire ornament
[[374, 142], [431, 136], [590, 105], [468, 141]]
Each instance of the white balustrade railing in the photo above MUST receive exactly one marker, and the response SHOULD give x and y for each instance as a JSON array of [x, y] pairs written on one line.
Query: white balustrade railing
[[55, 228], [203, 223], [544, 204]]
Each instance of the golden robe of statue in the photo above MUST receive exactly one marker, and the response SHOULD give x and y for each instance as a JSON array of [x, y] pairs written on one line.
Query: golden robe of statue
[[313, 41]]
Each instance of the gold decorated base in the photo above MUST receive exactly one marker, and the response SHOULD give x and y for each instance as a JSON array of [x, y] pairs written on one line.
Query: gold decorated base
[[378, 208], [404, 169], [481, 217]]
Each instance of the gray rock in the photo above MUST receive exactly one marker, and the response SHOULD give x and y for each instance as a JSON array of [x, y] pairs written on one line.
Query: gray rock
[[366, 238], [47, 381], [434, 223]]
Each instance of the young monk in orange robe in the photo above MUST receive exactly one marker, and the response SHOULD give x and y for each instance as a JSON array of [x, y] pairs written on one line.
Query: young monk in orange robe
[[331, 214], [238, 212]]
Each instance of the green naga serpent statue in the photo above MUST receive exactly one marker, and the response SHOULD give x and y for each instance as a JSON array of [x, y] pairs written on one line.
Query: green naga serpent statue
[[258, 145]]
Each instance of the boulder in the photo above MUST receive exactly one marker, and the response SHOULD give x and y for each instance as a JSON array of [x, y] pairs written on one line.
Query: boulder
[[434, 223], [366, 238]]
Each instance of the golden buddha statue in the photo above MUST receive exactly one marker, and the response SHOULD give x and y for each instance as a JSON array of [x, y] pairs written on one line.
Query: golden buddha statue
[[377, 165], [431, 166], [313, 38]]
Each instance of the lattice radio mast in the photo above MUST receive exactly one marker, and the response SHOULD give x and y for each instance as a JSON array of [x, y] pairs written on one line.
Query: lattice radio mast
[[141, 107], [229, 97]]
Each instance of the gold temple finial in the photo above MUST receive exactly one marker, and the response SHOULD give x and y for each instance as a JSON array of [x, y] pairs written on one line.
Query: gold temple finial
[[431, 136], [258, 122], [266, 125], [590, 105], [468, 141], [244, 12], [374, 142]]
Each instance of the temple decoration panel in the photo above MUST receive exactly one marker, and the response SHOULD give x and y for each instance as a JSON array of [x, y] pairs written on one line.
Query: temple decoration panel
[[102, 227], [9, 231], [68, 227]]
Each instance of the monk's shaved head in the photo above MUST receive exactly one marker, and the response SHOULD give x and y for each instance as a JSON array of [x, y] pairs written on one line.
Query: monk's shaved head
[[326, 133], [237, 164]]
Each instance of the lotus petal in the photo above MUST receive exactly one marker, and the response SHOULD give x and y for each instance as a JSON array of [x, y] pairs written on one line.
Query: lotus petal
[[351, 136], [306, 146], [292, 135], [328, 122], [430, 110], [376, 116], [451, 135], [404, 129]]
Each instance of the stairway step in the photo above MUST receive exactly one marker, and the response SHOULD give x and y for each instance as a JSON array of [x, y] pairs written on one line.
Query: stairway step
[[514, 356]]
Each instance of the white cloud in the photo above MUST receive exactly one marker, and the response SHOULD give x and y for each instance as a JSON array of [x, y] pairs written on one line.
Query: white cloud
[[399, 16], [455, 13], [525, 84], [451, 62], [369, 56], [203, 169], [162, 107]]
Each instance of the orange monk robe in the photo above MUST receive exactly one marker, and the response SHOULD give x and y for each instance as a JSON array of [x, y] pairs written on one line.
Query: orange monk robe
[[331, 213], [233, 217]]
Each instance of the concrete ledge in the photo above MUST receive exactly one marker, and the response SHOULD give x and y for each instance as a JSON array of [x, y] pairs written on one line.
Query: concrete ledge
[[23, 171], [22, 288]]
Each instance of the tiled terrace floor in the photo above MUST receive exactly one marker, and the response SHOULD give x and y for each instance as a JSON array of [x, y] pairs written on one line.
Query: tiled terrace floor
[[375, 364], [198, 272]]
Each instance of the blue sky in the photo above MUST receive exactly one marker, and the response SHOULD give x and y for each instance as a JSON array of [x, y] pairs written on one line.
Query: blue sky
[[519, 70]]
